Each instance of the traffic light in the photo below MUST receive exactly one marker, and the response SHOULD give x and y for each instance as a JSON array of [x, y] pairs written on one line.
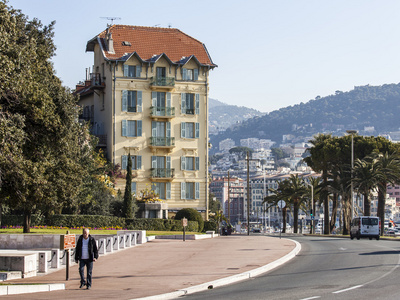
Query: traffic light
[[311, 212]]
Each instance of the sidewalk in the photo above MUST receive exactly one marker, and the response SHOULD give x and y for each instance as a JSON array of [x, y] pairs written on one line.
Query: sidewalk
[[166, 266]]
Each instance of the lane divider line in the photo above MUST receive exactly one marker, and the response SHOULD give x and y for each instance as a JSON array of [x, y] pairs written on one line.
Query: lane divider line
[[349, 289]]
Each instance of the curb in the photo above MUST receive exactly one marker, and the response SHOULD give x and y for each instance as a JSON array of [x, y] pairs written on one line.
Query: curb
[[227, 280], [14, 289]]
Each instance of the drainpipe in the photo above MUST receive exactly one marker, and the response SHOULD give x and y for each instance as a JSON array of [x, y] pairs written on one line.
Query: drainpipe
[[206, 163], [113, 100]]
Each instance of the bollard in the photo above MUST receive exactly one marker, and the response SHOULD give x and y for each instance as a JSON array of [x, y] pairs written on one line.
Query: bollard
[[121, 241], [109, 244], [115, 242], [133, 239], [43, 262], [102, 246], [55, 259], [127, 240]]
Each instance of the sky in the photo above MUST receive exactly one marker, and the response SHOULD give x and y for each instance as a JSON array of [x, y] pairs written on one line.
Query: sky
[[270, 53]]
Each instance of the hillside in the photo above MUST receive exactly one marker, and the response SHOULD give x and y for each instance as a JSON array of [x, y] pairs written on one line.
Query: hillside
[[364, 106], [222, 115]]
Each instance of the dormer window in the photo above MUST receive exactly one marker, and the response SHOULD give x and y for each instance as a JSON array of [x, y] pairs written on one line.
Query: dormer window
[[190, 74], [132, 71]]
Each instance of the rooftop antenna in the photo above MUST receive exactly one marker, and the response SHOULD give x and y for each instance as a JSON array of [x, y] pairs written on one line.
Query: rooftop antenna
[[111, 18]]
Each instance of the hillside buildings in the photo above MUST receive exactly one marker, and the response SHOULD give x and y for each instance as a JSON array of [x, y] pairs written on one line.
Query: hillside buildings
[[147, 96]]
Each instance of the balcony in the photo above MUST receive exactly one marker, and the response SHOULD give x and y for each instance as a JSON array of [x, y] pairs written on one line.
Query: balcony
[[162, 142], [162, 83], [96, 81], [162, 174], [162, 112], [102, 140]]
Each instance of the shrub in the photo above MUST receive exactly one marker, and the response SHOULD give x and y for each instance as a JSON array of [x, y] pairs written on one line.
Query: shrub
[[192, 215], [211, 226], [160, 225]]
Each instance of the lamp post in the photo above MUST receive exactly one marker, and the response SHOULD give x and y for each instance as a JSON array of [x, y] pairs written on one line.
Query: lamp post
[[312, 208], [248, 191], [352, 133]]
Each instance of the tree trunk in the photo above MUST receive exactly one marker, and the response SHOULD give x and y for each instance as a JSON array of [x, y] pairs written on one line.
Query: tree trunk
[[367, 204], [284, 219], [325, 197], [334, 212], [346, 216], [295, 215], [27, 221], [381, 206]]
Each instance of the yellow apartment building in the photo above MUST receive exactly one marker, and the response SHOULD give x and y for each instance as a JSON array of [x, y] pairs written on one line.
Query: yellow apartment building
[[147, 96]]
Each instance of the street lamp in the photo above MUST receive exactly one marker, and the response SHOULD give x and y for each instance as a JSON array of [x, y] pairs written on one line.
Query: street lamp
[[312, 207], [352, 132], [248, 191]]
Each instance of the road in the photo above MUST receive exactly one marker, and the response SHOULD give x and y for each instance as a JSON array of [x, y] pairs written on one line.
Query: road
[[326, 268]]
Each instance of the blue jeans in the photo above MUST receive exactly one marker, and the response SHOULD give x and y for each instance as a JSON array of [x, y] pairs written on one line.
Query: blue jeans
[[89, 268]]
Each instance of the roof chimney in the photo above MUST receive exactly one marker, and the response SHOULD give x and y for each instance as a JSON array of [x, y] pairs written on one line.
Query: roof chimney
[[110, 41]]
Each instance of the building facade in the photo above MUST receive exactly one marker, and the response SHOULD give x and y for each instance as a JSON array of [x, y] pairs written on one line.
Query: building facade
[[147, 96]]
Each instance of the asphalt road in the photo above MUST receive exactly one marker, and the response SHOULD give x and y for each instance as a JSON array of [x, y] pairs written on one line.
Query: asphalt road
[[326, 268]]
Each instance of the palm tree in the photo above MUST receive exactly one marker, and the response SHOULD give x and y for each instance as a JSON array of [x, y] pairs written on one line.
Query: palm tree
[[315, 182], [388, 166], [366, 177], [272, 200], [296, 191]]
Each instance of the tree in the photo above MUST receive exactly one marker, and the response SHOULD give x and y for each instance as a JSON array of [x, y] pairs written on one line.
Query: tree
[[51, 154], [388, 166], [274, 197], [192, 215], [241, 151], [128, 198], [365, 179], [295, 191]]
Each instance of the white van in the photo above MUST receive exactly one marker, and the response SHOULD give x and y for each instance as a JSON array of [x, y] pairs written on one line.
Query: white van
[[365, 227]]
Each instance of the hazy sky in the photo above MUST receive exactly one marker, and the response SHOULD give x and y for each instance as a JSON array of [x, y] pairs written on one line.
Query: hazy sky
[[270, 53]]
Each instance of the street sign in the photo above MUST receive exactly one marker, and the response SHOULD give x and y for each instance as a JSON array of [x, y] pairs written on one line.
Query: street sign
[[67, 241], [281, 204], [184, 222], [312, 217]]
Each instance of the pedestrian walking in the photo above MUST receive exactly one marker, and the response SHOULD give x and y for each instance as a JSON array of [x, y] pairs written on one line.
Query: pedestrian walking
[[86, 253]]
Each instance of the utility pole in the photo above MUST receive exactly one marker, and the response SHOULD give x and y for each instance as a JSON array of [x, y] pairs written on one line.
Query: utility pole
[[248, 193], [229, 198]]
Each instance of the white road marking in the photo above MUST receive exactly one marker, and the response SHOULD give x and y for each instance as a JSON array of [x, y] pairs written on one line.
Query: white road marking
[[316, 297], [345, 290]]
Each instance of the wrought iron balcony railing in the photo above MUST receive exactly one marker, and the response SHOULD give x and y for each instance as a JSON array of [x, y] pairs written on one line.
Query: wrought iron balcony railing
[[162, 141], [162, 111]]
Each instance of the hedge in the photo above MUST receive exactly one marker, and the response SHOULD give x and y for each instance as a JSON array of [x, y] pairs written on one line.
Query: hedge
[[161, 225], [95, 221]]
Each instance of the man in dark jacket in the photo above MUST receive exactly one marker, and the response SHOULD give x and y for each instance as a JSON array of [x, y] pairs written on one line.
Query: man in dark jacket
[[86, 253]]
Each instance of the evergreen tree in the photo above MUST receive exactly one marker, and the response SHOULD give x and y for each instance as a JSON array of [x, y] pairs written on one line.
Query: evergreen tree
[[128, 199]]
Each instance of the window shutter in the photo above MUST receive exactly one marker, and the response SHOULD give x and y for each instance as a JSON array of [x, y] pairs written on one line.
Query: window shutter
[[124, 125], [139, 101], [183, 130], [154, 162], [124, 100], [154, 99], [133, 187], [124, 162], [183, 163], [197, 104], [153, 129], [197, 130], [168, 190], [196, 74], [184, 74], [138, 70], [168, 162], [131, 128], [168, 99], [139, 128], [183, 190], [138, 162], [126, 70], [197, 163], [183, 103], [197, 190], [168, 130]]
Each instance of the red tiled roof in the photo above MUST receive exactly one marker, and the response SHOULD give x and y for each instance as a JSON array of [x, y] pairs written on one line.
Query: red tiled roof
[[150, 41]]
